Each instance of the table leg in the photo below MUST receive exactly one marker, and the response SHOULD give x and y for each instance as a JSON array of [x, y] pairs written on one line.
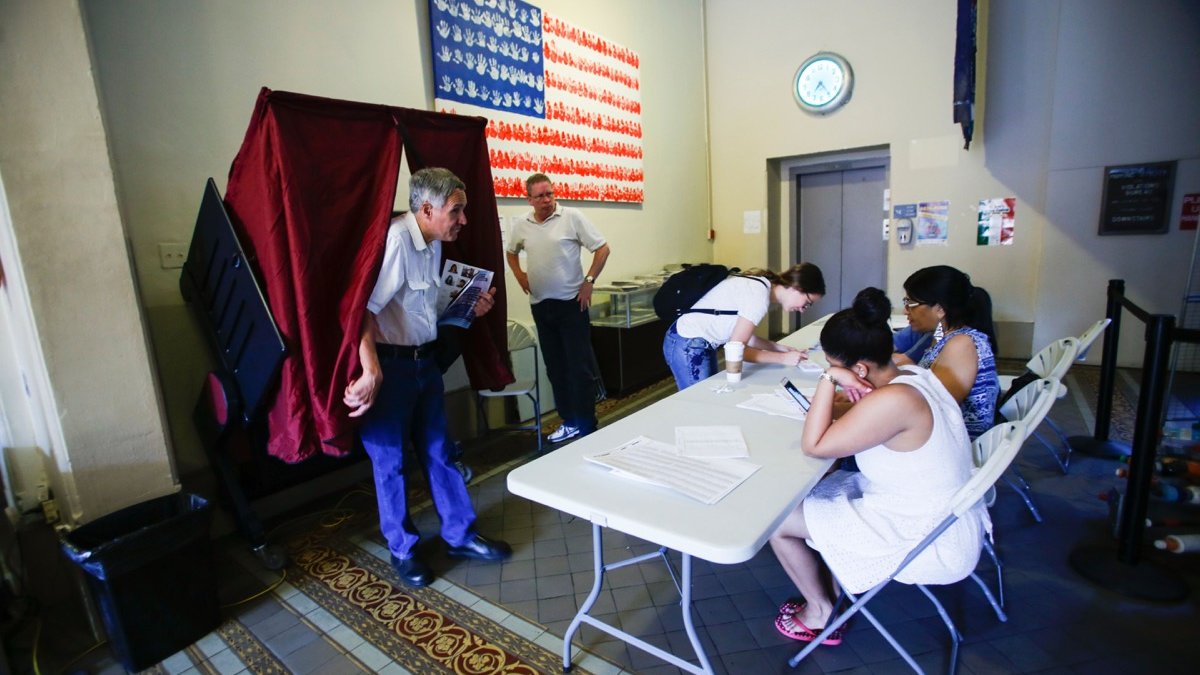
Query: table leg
[[685, 591]]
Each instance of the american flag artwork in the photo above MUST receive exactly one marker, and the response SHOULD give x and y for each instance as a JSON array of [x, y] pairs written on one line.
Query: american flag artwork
[[559, 99]]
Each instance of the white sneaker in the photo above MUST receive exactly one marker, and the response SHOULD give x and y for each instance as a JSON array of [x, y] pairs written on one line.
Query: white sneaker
[[563, 433]]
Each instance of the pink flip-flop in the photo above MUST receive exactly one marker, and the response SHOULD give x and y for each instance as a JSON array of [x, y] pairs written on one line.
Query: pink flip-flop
[[791, 607], [803, 633]]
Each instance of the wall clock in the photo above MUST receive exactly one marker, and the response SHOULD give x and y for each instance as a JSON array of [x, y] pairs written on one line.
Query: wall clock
[[823, 83]]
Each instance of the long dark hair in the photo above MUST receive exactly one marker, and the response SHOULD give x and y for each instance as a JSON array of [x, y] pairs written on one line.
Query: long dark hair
[[861, 331], [805, 277], [964, 304]]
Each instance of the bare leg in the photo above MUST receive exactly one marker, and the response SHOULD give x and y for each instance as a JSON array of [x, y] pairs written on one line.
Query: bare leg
[[805, 569]]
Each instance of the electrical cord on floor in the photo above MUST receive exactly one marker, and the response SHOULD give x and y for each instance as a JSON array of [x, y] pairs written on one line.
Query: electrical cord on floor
[[330, 518]]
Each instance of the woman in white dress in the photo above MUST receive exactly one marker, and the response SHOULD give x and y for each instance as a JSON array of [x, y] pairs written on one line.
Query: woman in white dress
[[907, 435]]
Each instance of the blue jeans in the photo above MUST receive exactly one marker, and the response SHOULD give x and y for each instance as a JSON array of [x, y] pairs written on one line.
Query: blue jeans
[[565, 337], [690, 359], [410, 405]]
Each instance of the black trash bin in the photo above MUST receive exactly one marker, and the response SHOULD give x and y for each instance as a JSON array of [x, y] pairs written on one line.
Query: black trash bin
[[150, 568]]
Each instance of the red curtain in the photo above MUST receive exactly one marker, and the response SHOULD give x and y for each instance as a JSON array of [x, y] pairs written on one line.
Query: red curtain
[[311, 193]]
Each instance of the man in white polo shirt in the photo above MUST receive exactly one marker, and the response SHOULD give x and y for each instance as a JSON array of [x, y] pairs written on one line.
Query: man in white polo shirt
[[552, 237]]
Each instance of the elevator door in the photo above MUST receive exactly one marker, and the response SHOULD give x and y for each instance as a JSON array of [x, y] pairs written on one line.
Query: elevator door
[[840, 230]]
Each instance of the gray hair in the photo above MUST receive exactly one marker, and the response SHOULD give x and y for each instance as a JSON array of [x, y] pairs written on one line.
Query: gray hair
[[433, 185]]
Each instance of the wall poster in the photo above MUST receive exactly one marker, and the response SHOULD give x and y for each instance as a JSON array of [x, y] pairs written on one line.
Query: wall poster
[[559, 99], [1137, 198], [933, 222], [997, 221]]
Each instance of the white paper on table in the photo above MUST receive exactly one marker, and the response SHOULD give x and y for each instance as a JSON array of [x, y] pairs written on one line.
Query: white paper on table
[[711, 442], [773, 404], [810, 367], [705, 480]]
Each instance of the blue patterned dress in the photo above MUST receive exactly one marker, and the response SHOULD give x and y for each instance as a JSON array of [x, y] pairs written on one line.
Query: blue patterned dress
[[979, 407]]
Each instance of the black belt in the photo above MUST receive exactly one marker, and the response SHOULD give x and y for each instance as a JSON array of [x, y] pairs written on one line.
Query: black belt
[[386, 351]]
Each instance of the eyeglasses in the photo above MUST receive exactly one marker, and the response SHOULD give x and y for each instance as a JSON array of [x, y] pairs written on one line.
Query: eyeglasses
[[909, 304], [544, 195], [808, 302]]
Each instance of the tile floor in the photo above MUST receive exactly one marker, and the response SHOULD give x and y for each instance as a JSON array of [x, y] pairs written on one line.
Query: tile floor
[[1058, 621]]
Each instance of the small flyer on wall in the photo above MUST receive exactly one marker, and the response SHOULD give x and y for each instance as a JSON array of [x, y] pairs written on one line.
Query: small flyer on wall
[[997, 220], [933, 222], [461, 286]]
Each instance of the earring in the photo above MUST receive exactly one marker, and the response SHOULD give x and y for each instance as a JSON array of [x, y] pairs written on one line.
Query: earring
[[939, 333]]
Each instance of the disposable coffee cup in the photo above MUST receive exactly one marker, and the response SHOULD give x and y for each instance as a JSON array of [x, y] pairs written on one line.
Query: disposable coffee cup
[[733, 361]]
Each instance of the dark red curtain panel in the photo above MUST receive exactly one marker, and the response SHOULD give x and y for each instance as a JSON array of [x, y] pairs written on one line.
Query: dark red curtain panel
[[311, 193]]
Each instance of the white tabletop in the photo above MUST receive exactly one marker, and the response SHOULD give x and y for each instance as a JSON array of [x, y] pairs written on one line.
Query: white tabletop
[[730, 531]]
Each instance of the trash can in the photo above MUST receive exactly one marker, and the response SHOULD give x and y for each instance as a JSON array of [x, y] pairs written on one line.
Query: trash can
[[150, 568]]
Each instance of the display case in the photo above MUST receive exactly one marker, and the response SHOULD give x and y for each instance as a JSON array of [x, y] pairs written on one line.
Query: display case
[[624, 304]]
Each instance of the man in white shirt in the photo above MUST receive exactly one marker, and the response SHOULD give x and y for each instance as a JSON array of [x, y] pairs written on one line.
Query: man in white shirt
[[399, 394], [560, 294]]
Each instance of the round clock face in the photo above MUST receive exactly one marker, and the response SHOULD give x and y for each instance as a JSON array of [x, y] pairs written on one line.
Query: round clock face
[[823, 83]]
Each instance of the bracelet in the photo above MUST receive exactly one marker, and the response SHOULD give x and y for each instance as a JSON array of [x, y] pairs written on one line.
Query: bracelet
[[826, 376]]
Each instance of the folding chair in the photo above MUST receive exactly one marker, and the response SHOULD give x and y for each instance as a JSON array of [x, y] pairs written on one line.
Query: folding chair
[[998, 445], [1052, 362], [1028, 405], [519, 337]]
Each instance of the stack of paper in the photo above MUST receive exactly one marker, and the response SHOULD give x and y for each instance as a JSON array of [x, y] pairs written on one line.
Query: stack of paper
[[705, 480]]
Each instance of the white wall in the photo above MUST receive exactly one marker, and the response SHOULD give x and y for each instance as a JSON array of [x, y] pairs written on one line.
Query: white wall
[[1051, 114], [179, 79], [78, 336]]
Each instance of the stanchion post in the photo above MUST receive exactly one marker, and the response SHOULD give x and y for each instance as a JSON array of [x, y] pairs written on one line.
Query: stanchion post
[[1098, 445], [1108, 363], [1132, 525]]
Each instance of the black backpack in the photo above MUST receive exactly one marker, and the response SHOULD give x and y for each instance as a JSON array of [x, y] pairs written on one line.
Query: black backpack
[[685, 288]]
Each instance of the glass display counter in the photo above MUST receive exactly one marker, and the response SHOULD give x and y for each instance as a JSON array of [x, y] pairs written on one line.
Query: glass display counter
[[623, 304], [627, 335]]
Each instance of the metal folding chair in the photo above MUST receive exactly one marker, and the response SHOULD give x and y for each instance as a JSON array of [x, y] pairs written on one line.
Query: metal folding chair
[[1052, 362], [519, 337], [997, 446], [1029, 405]]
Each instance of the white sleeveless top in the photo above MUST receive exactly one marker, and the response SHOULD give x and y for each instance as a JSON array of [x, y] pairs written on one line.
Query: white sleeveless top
[[864, 523]]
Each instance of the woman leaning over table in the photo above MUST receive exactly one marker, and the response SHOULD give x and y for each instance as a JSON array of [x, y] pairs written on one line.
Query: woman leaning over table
[[941, 300], [908, 436], [690, 345]]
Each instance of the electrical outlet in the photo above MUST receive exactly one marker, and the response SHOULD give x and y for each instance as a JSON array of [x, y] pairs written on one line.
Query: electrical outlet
[[171, 255]]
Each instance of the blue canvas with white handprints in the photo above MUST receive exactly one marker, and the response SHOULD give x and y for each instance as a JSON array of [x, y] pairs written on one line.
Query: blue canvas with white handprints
[[488, 53]]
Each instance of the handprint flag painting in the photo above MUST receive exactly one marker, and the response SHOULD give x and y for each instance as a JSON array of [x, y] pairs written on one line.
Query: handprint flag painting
[[559, 99]]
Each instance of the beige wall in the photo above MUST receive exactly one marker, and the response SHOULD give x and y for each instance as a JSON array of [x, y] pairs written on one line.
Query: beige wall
[[78, 339], [1066, 87], [178, 82]]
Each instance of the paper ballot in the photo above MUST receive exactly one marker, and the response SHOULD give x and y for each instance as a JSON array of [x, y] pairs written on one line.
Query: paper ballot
[[710, 442], [705, 480], [773, 404]]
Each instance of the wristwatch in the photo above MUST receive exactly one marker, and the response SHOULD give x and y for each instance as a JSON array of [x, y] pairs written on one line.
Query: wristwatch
[[589, 279], [826, 376]]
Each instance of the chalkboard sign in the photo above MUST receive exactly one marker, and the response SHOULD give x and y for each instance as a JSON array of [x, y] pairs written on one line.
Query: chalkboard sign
[[1137, 198]]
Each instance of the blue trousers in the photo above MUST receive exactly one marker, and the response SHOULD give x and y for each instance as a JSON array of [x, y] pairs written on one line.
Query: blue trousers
[[410, 405], [690, 359], [565, 334]]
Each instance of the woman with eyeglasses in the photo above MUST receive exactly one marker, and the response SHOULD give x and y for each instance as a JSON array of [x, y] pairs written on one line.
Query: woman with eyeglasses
[[690, 345], [941, 300], [908, 437]]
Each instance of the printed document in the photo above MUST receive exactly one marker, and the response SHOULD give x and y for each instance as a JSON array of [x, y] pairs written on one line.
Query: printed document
[[778, 403], [711, 442], [462, 285], [705, 480]]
